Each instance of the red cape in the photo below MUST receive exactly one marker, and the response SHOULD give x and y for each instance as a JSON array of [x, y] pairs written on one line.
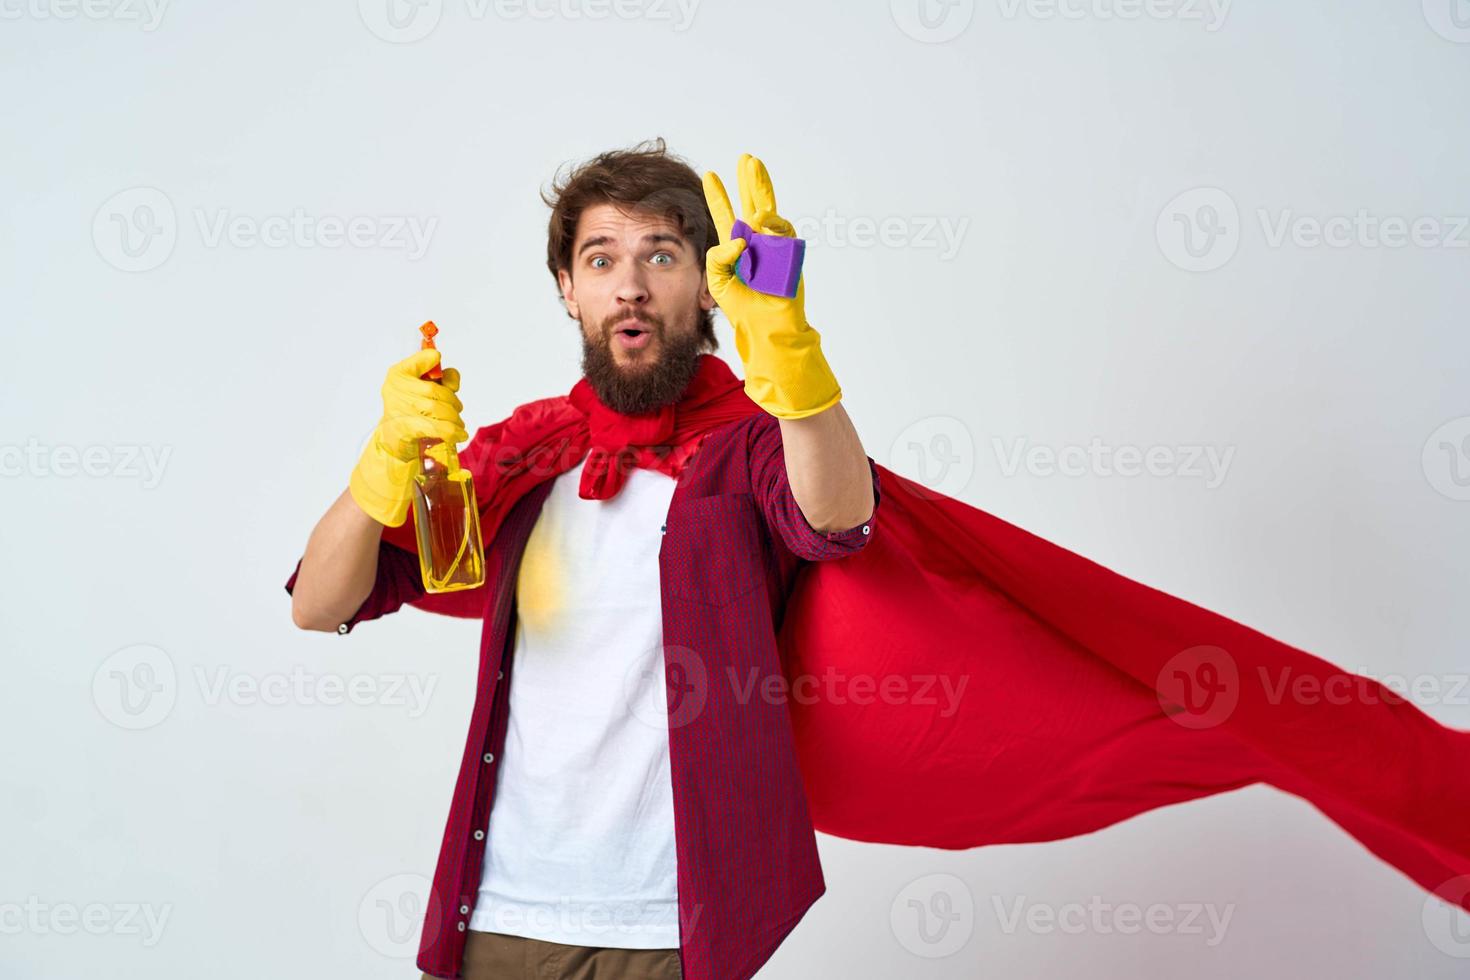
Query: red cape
[[993, 687]]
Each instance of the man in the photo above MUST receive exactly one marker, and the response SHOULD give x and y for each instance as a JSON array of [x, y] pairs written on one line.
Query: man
[[613, 816]]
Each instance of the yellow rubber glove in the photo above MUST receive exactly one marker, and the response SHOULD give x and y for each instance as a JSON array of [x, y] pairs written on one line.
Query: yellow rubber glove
[[413, 409], [785, 372]]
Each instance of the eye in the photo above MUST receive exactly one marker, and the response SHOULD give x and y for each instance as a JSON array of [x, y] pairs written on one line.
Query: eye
[[669, 259], [596, 259]]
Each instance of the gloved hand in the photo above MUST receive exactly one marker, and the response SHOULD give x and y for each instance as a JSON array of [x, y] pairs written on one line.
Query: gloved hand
[[413, 409], [785, 372]]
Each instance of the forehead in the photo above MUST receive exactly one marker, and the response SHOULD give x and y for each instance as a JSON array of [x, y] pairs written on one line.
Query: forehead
[[627, 226]]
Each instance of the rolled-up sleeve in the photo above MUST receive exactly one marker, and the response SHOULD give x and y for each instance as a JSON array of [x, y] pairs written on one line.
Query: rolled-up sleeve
[[398, 581], [772, 490]]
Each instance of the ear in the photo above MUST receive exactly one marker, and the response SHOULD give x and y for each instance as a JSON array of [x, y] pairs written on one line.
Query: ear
[[568, 293], [706, 298]]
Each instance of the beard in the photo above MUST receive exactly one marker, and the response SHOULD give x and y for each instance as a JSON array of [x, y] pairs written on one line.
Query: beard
[[655, 376]]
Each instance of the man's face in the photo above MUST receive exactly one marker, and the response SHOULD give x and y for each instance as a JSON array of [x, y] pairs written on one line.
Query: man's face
[[638, 289]]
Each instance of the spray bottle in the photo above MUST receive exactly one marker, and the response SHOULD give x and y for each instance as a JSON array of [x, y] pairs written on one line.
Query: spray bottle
[[446, 515]]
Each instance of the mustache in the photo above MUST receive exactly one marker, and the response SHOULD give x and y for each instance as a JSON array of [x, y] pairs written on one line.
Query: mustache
[[649, 320]]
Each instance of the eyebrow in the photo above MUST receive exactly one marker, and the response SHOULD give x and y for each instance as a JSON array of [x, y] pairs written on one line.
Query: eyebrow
[[652, 237]]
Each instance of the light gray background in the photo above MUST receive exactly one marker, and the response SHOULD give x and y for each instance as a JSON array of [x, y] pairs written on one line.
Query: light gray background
[[288, 839]]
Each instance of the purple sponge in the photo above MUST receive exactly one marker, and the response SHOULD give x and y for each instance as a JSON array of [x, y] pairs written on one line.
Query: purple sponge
[[770, 264]]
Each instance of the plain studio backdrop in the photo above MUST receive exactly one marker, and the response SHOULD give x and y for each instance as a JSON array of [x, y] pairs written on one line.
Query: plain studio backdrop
[[1181, 287]]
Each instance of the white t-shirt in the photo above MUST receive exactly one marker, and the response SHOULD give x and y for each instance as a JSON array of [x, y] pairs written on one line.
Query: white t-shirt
[[580, 840]]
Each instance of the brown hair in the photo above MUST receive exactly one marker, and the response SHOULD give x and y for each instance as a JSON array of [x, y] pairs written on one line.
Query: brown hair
[[644, 177]]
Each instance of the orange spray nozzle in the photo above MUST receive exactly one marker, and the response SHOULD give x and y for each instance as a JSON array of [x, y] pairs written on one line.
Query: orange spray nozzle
[[429, 330]]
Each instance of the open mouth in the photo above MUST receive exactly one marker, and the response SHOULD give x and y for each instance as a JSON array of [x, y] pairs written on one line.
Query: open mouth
[[633, 334]]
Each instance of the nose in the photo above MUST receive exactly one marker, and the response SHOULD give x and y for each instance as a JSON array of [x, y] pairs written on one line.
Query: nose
[[632, 287]]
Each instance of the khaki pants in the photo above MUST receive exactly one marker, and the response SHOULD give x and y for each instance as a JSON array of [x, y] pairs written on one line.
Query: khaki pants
[[494, 956]]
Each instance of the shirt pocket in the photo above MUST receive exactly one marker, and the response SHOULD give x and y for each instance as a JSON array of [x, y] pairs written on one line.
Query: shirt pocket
[[712, 550]]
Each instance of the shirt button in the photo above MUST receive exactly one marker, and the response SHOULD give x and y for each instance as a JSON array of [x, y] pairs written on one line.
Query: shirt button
[[342, 628], [499, 674], [461, 927], [865, 529], [479, 835], [464, 910], [489, 756]]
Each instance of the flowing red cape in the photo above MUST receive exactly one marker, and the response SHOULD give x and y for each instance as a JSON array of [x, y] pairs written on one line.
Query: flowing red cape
[[997, 688]]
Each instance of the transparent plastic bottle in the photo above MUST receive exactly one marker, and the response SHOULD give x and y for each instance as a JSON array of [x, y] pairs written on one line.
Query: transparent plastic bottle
[[445, 513], [446, 520]]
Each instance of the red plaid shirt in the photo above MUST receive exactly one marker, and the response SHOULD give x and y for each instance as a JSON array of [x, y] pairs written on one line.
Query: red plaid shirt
[[747, 853]]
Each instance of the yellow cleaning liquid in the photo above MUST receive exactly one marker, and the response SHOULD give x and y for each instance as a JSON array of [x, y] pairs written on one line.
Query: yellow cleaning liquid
[[446, 520]]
